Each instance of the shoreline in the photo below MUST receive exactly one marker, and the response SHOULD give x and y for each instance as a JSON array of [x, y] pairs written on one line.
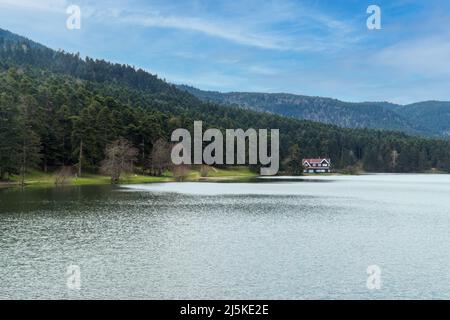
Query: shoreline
[[224, 175], [40, 179]]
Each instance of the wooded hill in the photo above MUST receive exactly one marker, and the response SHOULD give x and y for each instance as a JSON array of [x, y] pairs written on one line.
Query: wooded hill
[[53, 103], [429, 118]]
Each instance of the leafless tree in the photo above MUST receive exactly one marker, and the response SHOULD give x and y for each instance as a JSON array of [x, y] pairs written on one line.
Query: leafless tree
[[204, 171], [180, 172], [160, 157], [394, 159], [64, 176], [120, 158]]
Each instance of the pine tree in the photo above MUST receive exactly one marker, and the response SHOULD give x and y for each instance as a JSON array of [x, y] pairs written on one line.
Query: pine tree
[[32, 128], [10, 142]]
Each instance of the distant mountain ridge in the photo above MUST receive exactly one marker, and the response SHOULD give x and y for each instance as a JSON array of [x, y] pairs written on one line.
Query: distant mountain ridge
[[429, 118], [15, 49], [6, 35]]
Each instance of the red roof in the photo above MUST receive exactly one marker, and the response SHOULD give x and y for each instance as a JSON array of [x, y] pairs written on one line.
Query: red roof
[[317, 160]]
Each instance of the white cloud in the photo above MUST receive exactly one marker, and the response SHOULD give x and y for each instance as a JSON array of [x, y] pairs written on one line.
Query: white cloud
[[428, 57], [41, 5], [252, 25], [205, 27], [262, 70]]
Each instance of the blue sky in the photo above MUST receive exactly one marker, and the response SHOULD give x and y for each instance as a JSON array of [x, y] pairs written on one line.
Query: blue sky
[[318, 48]]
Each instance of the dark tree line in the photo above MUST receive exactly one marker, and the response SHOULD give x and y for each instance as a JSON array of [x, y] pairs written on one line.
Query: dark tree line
[[49, 122]]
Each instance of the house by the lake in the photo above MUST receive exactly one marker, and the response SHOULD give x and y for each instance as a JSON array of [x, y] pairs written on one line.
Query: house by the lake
[[319, 165]]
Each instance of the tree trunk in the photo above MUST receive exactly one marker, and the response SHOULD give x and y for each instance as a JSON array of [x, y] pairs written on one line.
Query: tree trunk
[[143, 151], [23, 167], [80, 158]]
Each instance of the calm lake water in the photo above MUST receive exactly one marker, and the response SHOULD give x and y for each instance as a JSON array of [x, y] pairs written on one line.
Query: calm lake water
[[275, 239]]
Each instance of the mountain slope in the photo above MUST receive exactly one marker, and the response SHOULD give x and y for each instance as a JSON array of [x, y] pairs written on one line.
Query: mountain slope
[[16, 50], [434, 116], [426, 118], [418, 119], [65, 110], [9, 37]]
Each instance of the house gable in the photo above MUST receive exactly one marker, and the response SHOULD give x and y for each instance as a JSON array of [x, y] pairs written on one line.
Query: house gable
[[318, 165]]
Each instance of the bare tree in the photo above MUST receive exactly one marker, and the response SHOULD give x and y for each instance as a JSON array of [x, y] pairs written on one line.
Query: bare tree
[[204, 171], [29, 153], [160, 157], [120, 158], [394, 159], [63, 176], [180, 172]]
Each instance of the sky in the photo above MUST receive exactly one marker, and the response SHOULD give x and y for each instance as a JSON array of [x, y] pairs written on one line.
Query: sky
[[310, 47]]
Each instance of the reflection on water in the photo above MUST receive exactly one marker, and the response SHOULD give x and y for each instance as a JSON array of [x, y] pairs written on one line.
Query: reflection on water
[[286, 239]]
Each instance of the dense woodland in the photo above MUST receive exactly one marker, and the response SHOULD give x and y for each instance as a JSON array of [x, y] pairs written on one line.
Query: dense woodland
[[59, 110], [428, 118]]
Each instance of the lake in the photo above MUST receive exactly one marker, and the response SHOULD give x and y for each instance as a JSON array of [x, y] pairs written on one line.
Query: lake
[[277, 238]]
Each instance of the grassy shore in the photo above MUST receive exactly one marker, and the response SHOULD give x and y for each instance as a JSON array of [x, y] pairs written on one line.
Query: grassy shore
[[38, 178], [214, 174]]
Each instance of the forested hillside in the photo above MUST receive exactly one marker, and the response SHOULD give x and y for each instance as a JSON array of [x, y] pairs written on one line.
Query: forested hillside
[[57, 109], [432, 116], [425, 118]]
